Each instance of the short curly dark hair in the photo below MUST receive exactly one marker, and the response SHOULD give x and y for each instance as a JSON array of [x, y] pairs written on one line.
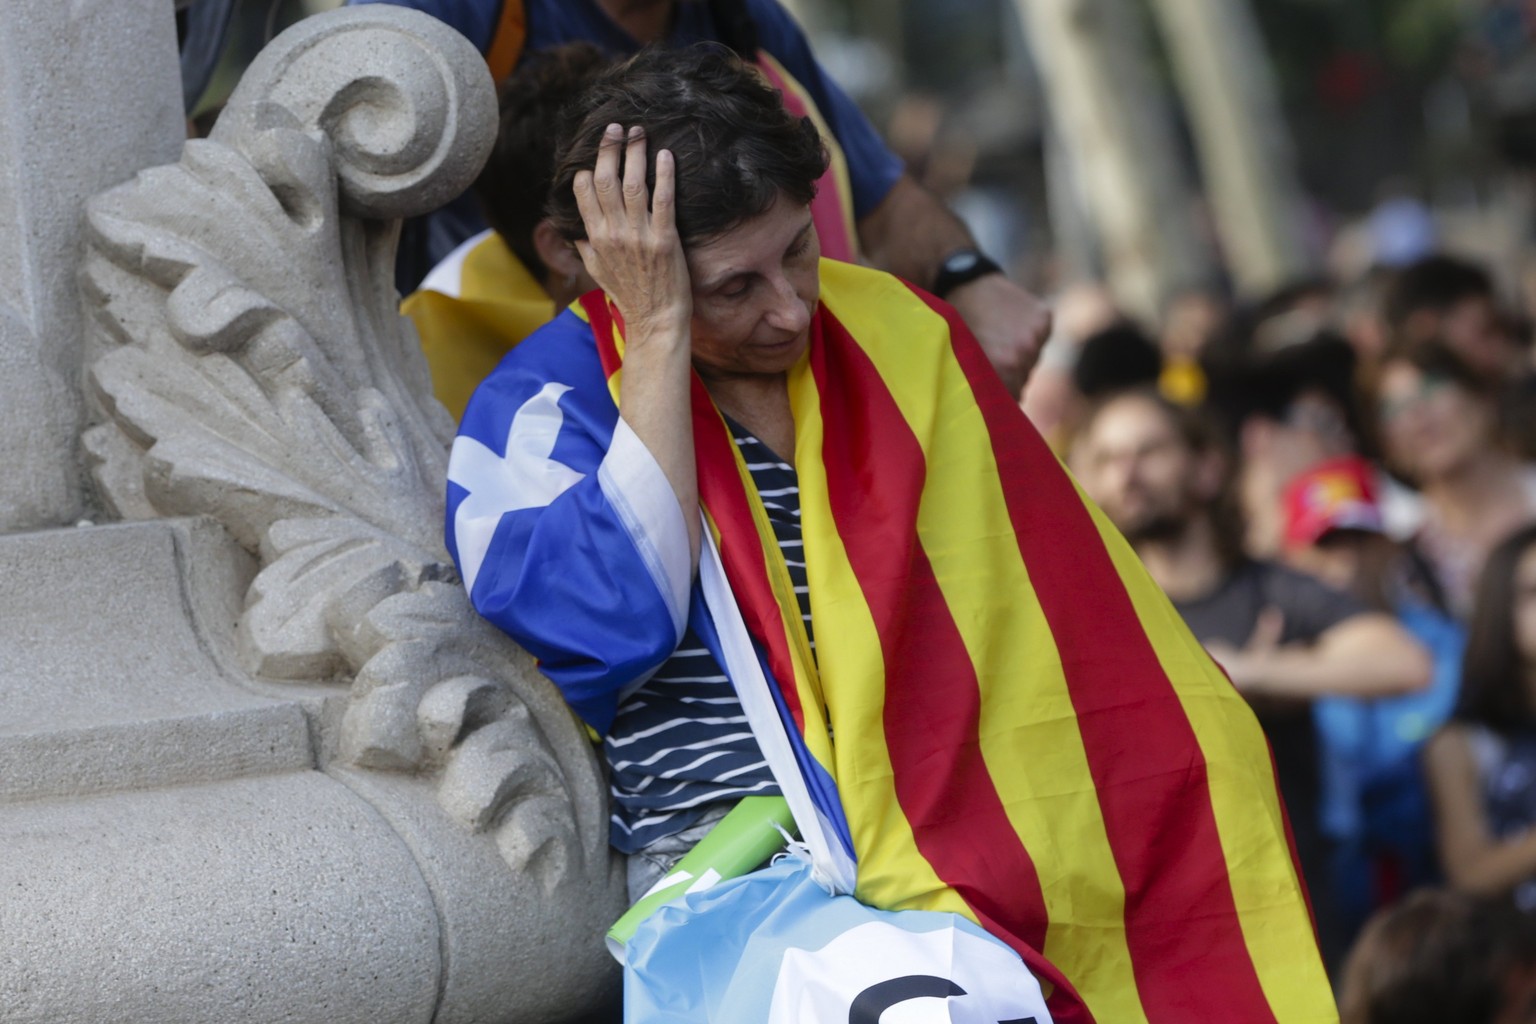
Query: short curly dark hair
[[735, 146], [1435, 283]]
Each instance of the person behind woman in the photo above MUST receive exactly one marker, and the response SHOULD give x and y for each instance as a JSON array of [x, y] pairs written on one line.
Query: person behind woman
[[494, 289], [1441, 430], [1439, 956], [1481, 767], [743, 502]]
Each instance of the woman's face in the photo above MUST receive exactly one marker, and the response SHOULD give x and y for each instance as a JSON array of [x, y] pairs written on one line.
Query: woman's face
[[1431, 425], [754, 290]]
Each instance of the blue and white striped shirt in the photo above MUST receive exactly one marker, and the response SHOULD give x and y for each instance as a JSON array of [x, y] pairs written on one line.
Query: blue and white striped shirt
[[681, 743]]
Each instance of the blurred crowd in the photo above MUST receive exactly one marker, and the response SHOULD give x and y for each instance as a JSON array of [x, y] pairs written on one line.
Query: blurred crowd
[[1336, 488]]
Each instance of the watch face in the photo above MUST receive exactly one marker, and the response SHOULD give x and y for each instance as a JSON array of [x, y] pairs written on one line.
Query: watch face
[[960, 262]]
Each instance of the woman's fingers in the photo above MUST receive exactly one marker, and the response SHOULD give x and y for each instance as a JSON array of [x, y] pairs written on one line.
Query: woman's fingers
[[596, 189], [588, 257], [663, 210], [605, 175], [632, 250], [636, 199], [586, 200]]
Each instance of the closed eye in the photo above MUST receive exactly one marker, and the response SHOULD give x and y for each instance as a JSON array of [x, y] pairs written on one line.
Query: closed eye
[[802, 243], [737, 288]]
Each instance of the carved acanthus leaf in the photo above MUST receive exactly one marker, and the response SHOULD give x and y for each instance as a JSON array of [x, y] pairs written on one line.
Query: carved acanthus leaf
[[249, 364], [233, 399]]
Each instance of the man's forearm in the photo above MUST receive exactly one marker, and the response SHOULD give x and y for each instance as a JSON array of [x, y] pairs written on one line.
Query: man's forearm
[[911, 232]]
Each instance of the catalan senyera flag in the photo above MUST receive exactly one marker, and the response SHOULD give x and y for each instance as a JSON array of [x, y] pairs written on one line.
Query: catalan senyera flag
[[1003, 718]]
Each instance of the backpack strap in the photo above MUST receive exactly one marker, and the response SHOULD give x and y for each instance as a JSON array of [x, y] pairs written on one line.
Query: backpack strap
[[507, 42]]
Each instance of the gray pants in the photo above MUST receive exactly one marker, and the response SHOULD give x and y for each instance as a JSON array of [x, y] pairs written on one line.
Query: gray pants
[[652, 864]]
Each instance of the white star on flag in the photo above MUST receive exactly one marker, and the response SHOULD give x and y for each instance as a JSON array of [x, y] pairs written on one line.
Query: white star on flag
[[526, 477]]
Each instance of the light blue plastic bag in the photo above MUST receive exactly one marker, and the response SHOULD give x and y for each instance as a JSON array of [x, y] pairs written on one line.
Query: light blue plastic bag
[[773, 947]]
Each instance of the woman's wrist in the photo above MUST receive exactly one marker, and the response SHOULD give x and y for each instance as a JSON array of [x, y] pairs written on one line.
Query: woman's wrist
[[659, 331]]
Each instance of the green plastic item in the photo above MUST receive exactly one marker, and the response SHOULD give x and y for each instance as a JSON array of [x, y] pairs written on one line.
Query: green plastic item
[[747, 836]]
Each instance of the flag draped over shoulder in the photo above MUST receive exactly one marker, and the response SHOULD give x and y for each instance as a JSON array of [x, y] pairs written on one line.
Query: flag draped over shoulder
[[1018, 726], [1003, 716]]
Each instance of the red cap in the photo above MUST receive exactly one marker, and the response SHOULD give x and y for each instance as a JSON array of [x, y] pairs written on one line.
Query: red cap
[[1339, 494]]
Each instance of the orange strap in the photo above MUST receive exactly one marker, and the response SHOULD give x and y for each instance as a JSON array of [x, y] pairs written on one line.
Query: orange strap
[[507, 43]]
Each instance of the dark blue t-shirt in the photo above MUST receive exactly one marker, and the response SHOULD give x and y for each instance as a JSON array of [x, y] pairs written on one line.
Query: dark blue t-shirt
[[872, 168]]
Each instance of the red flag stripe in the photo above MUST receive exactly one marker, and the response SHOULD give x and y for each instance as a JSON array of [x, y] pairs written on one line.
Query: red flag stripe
[[1084, 599], [723, 492], [941, 780], [603, 319]]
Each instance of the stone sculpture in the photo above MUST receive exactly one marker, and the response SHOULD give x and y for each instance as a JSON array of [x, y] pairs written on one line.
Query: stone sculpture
[[261, 759]]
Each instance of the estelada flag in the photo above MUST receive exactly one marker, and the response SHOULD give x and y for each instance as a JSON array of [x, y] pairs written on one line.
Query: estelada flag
[[1004, 717], [470, 311]]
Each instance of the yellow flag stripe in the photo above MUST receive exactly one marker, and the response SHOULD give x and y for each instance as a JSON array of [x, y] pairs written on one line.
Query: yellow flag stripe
[[1275, 925], [1053, 807], [838, 609]]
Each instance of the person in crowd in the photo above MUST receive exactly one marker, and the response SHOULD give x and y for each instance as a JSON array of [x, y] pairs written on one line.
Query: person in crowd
[[1453, 300], [1095, 348], [1161, 475], [1439, 956], [497, 287], [1051, 399], [1481, 767], [1360, 315], [1112, 358], [1375, 810], [1440, 426], [1289, 408], [1118, 357], [741, 481], [866, 206], [1191, 318]]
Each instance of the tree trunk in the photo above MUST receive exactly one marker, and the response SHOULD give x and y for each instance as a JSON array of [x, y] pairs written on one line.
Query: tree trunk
[[1115, 128], [1224, 74]]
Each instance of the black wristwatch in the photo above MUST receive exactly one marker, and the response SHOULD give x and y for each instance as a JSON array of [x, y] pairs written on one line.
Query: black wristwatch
[[962, 267]]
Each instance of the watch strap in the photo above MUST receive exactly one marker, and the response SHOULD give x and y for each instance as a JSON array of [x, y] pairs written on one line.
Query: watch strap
[[962, 267]]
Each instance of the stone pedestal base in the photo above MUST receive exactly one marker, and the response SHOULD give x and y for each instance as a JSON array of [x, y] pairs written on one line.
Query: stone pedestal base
[[174, 851]]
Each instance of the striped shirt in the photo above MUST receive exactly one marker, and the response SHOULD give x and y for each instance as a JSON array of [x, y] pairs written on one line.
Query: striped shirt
[[681, 743]]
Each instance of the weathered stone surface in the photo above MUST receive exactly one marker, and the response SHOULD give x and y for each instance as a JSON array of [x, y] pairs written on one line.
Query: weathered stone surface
[[174, 852], [115, 673], [522, 945], [249, 365], [259, 759], [88, 95], [275, 899]]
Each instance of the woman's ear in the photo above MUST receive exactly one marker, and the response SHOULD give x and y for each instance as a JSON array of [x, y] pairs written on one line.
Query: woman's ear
[[560, 256]]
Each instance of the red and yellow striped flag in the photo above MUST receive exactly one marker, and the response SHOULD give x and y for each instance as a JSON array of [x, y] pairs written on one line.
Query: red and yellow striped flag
[[1019, 726]]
